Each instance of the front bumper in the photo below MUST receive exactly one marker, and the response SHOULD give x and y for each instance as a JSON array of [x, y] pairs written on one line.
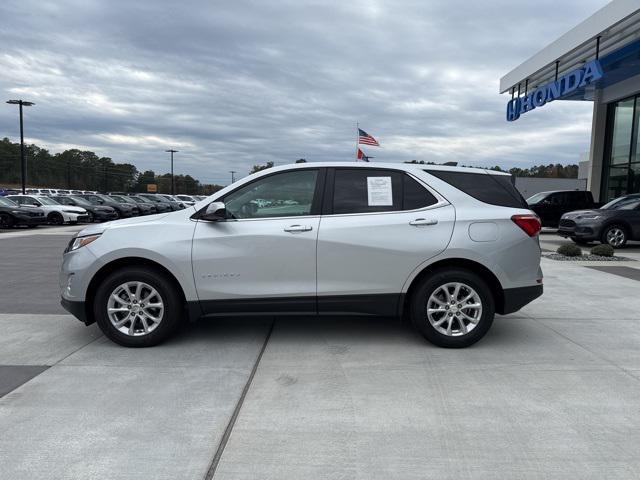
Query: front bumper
[[97, 215], [579, 230], [516, 298], [77, 309], [28, 220]]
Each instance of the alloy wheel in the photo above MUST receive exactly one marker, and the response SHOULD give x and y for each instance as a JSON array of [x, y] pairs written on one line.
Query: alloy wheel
[[135, 308], [454, 309], [615, 237]]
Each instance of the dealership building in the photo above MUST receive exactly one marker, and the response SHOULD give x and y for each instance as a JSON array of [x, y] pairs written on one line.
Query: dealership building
[[597, 61]]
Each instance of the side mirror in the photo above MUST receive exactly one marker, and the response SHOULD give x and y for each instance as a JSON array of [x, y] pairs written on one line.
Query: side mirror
[[215, 212]]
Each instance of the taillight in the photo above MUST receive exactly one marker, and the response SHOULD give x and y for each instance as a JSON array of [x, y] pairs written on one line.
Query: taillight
[[529, 223]]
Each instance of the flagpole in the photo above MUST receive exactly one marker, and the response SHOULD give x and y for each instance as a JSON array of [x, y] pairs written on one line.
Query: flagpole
[[357, 139]]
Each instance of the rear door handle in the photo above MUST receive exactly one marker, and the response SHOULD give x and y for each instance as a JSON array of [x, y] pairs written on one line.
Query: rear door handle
[[298, 228], [423, 221]]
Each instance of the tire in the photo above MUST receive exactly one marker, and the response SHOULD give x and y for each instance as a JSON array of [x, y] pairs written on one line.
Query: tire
[[615, 235], [431, 291], [118, 215], [158, 331], [6, 220], [55, 218]]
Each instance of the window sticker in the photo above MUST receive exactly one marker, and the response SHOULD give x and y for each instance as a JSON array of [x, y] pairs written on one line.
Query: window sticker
[[379, 192]]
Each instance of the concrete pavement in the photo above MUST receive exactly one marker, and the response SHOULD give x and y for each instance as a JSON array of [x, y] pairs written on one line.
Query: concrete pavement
[[552, 392]]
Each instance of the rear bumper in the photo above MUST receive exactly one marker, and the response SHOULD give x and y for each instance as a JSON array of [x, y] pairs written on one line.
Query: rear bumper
[[516, 298], [77, 309]]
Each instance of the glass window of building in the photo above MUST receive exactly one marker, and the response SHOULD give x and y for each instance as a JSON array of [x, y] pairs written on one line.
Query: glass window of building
[[623, 170]]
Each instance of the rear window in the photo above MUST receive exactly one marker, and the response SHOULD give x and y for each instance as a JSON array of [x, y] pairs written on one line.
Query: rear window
[[492, 189], [366, 190]]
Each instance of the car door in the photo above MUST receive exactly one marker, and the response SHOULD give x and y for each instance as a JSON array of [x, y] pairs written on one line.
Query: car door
[[263, 258], [377, 226]]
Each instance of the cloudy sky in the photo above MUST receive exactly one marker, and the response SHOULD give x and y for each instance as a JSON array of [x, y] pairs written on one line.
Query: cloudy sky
[[234, 83]]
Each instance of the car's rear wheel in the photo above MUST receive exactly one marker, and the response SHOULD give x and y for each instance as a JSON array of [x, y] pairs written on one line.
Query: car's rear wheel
[[615, 235], [137, 307], [55, 218], [452, 308], [6, 220]]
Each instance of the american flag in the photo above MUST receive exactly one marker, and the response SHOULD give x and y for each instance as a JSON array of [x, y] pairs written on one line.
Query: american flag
[[365, 139]]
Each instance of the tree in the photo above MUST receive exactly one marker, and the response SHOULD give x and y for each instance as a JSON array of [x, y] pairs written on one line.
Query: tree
[[258, 168]]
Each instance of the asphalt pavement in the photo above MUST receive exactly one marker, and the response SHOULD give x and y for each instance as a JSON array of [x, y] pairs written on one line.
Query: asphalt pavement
[[551, 392]]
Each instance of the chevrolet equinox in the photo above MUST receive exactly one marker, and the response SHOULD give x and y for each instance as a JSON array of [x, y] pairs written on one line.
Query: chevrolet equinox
[[445, 247]]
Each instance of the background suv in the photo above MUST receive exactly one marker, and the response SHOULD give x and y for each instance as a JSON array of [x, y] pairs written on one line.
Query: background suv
[[447, 247], [550, 206], [614, 223]]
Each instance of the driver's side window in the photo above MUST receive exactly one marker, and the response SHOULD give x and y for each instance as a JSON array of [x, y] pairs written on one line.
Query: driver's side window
[[287, 194]]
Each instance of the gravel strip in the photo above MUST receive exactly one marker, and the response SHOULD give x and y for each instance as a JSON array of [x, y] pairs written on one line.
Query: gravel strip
[[586, 258]]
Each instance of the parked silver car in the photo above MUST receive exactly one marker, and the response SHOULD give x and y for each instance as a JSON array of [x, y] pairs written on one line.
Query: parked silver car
[[447, 247]]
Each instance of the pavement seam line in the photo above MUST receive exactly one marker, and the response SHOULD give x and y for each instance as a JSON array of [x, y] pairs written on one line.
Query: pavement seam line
[[213, 466]]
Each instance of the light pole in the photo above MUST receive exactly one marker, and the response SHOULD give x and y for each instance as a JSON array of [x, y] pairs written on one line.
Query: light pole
[[232, 172], [23, 160], [172, 152]]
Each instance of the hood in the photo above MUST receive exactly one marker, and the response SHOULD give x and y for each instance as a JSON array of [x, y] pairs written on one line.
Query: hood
[[71, 208], [577, 214], [101, 227]]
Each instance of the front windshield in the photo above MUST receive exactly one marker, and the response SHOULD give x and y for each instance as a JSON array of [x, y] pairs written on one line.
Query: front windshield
[[153, 199], [138, 199], [118, 199], [5, 202], [623, 203], [106, 198], [536, 198], [80, 201], [47, 201]]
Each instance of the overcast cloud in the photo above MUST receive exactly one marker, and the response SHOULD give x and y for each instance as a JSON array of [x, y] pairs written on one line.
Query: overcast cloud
[[234, 83]]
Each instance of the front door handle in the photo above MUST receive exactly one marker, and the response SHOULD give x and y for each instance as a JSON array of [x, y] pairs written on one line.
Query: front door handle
[[423, 221], [298, 228]]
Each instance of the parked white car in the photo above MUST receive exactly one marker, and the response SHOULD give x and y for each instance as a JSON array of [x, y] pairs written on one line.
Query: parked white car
[[186, 199], [57, 214]]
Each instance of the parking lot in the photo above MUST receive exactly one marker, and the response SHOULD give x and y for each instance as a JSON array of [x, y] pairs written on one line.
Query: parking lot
[[553, 391]]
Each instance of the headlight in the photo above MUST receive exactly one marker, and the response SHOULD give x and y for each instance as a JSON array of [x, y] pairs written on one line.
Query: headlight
[[588, 217], [18, 212], [79, 242], [71, 211]]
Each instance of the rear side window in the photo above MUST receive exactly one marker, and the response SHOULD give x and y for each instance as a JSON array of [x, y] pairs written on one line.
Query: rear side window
[[492, 189], [366, 190]]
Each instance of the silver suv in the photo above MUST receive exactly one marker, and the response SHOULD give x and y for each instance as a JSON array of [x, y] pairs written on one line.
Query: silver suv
[[445, 247]]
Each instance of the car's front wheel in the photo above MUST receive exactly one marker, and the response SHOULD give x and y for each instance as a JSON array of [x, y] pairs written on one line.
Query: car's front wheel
[[6, 220], [452, 308], [615, 235], [55, 218], [137, 307]]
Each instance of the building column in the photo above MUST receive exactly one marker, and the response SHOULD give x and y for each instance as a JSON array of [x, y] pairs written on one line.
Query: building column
[[597, 150]]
